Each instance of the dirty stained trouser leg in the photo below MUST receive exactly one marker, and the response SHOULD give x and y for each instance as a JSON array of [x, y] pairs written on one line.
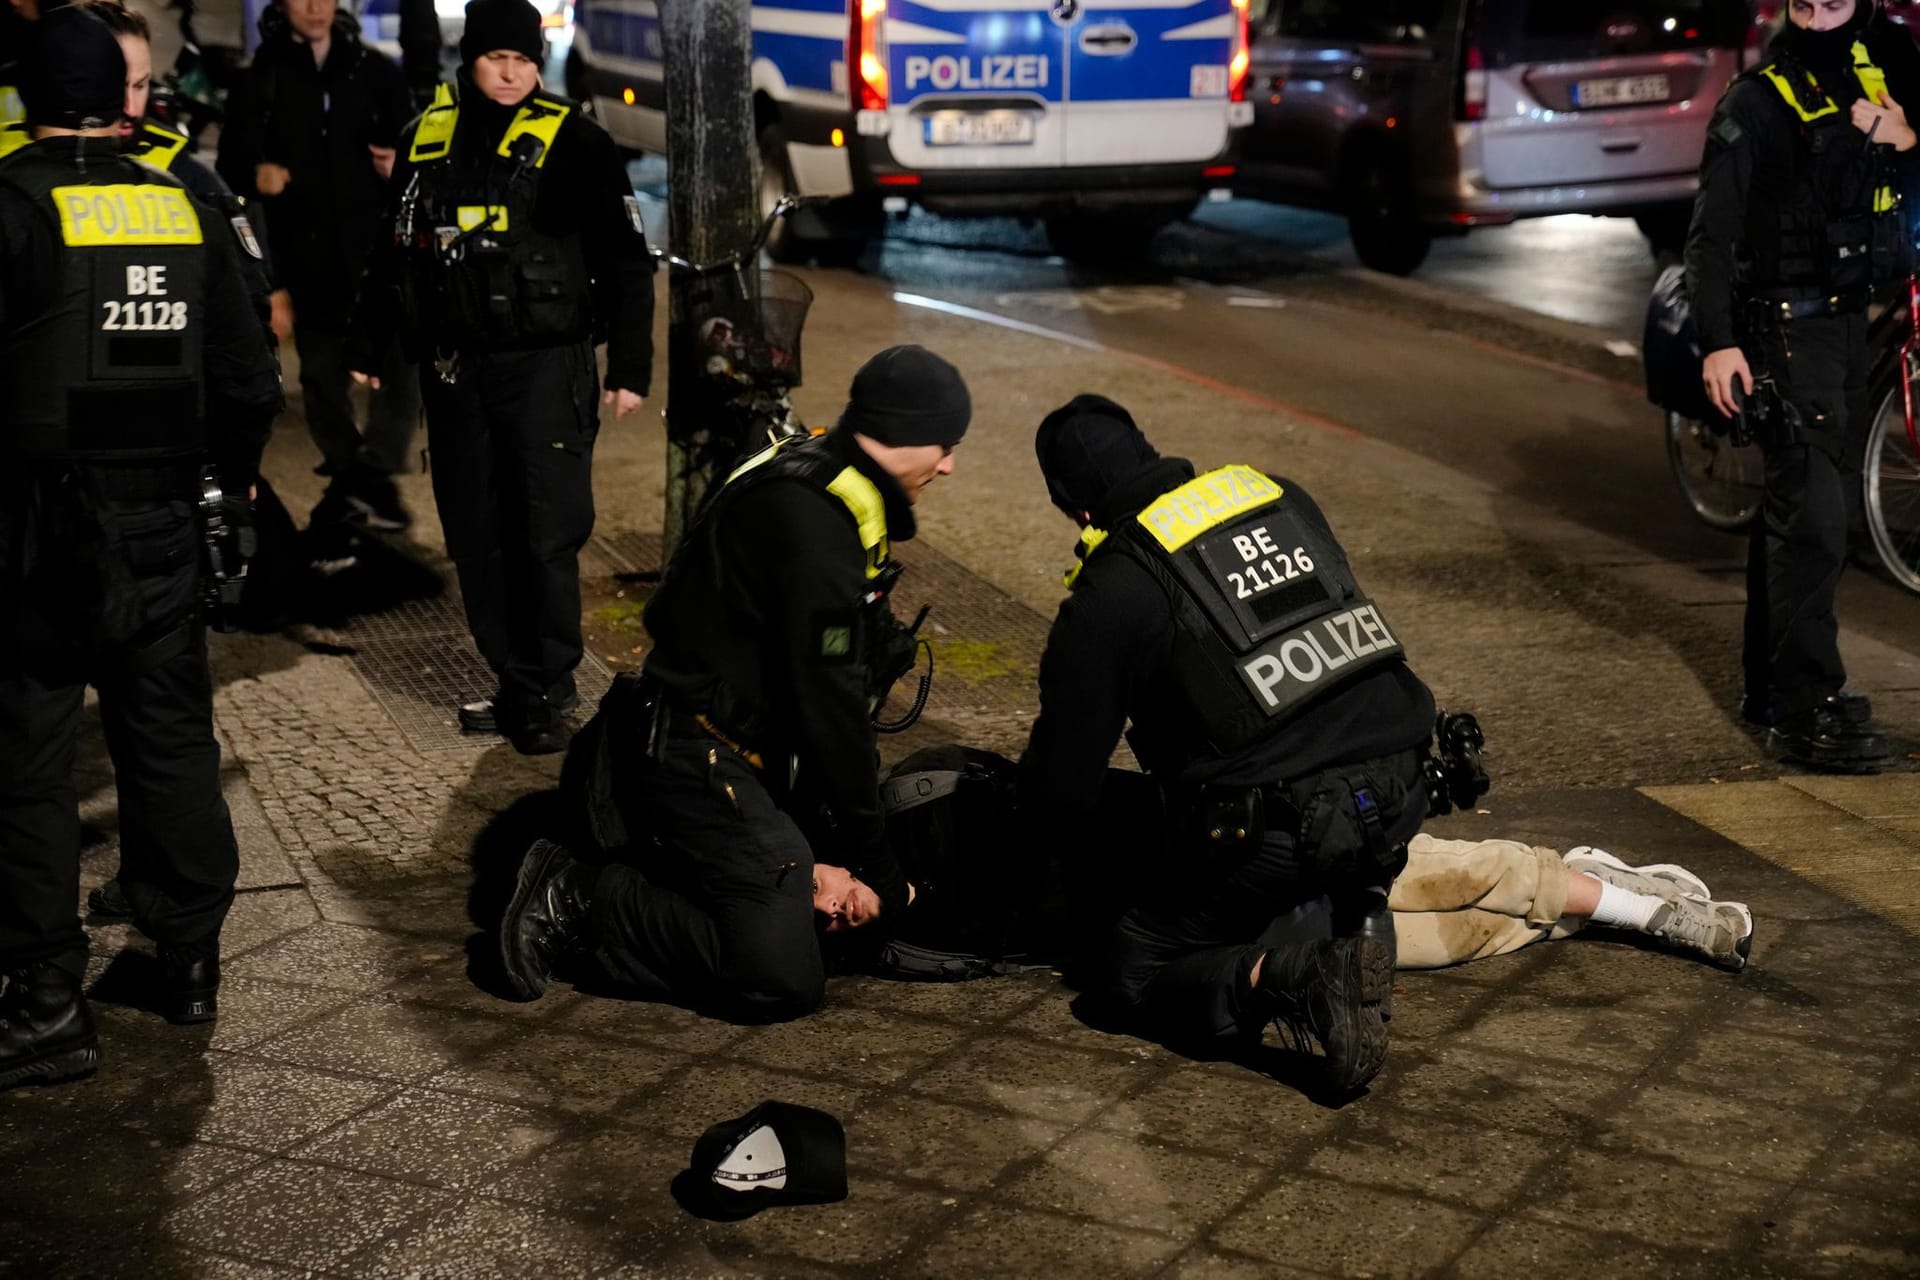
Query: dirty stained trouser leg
[[1467, 899]]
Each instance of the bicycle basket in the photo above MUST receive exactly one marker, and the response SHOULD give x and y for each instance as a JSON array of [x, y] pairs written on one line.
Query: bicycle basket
[[748, 325]]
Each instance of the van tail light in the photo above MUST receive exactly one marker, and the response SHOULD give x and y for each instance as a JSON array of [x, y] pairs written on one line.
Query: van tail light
[[867, 55], [1241, 63], [1472, 104]]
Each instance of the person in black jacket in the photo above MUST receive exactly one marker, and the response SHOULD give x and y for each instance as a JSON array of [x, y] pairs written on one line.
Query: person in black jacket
[[1799, 214], [1273, 707], [757, 782], [309, 138], [129, 358], [514, 246]]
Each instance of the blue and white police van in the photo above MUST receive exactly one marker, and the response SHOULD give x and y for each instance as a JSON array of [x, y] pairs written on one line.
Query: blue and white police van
[[1107, 118]]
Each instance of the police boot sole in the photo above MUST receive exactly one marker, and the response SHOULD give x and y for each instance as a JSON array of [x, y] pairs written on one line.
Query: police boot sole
[[187, 1010], [73, 1063], [519, 953], [1376, 973], [1350, 1025], [1834, 759]]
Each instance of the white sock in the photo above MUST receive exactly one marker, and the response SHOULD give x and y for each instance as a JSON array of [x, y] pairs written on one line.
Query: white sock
[[1623, 908]]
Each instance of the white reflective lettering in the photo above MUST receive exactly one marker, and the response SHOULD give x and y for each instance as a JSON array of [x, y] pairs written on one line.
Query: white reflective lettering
[[1265, 543], [1297, 646], [1267, 673], [1244, 545], [1327, 660]]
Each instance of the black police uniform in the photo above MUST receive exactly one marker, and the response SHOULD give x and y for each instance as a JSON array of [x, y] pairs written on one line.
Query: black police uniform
[[516, 245], [128, 357], [773, 644], [171, 152], [1798, 215], [1270, 702]]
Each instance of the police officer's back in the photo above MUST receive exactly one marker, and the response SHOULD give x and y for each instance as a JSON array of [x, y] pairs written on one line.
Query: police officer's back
[[128, 357], [1799, 216]]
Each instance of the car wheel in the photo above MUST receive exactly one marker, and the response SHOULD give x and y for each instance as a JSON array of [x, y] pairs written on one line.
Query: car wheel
[[1387, 234]]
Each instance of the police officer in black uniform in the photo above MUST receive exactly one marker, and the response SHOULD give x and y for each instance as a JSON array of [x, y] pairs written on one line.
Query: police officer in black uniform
[[517, 245], [129, 358], [1799, 215], [1270, 701], [756, 778]]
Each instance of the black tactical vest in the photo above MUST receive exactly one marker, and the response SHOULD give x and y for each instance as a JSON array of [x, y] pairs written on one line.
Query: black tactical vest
[[159, 147], [479, 274], [111, 372], [693, 592], [1840, 226], [1268, 615]]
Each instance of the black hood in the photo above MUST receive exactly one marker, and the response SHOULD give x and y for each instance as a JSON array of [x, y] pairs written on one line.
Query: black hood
[[1828, 55]]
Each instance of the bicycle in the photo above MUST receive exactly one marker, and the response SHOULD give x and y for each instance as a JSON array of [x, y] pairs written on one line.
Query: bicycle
[[747, 322], [1723, 481]]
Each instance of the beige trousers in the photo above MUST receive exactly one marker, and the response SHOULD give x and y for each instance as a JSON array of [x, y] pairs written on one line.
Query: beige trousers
[[1466, 899]]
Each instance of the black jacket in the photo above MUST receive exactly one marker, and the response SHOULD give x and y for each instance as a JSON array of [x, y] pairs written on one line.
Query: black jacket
[[583, 192], [1748, 170], [1109, 660], [737, 633], [317, 122]]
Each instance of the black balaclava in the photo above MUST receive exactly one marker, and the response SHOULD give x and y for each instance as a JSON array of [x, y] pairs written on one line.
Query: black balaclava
[[74, 76], [1827, 54], [1086, 447]]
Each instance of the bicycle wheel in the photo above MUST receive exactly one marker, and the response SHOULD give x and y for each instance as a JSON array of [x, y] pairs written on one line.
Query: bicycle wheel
[[1891, 483], [1721, 483]]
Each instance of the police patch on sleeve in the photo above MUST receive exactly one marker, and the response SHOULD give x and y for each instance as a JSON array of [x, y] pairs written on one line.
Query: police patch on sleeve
[[1727, 130], [836, 637], [243, 231], [633, 213]]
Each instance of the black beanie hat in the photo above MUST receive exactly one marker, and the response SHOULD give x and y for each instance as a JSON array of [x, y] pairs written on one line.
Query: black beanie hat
[[501, 24], [1085, 447], [73, 76], [908, 396]]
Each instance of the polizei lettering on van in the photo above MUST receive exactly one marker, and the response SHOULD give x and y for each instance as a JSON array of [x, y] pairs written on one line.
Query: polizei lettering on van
[[1297, 664], [987, 71]]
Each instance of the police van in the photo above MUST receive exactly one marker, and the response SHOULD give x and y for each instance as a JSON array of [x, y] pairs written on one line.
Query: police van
[[1106, 118]]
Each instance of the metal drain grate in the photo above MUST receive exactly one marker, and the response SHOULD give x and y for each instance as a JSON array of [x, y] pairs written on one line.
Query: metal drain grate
[[418, 661]]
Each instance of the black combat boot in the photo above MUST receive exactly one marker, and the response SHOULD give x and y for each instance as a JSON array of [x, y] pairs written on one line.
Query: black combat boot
[[545, 924], [109, 903], [1822, 739], [190, 982], [46, 1029], [1337, 993], [1854, 708]]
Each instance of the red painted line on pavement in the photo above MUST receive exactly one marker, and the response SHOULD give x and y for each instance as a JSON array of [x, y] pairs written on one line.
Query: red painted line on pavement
[[1158, 365]]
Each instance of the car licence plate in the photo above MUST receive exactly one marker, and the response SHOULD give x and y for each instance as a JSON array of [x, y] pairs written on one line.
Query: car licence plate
[[979, 128], [1621, 92]]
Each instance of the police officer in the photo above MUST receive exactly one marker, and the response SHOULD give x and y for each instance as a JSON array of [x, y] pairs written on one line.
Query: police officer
[[516, 245], [1271, 702], [128, 359], [1798, 216], [757, 778], [15, 31]]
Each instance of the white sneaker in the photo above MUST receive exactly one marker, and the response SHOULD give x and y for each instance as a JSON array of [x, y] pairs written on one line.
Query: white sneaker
[[1658, 880], [1720, 931]]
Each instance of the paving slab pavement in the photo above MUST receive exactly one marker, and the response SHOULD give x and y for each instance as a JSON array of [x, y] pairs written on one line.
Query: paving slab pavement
[[1590, 1107]]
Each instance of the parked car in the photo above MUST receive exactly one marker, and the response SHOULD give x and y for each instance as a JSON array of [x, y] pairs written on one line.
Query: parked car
[[1416, 118]]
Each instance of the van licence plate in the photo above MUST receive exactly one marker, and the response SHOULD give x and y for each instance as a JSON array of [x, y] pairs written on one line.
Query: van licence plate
[[1621, 92], [979, 128]]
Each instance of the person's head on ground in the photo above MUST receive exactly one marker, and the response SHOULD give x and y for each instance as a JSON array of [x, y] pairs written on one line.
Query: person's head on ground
[[74, 78], [841, 900], [908, 409], [502, 48], [1086, 447], [135, 37], [312, 20]]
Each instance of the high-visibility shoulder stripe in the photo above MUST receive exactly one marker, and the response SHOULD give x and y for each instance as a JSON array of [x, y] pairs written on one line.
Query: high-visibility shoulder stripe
[[434, 134], [159, 146], [539, 117], [869, 510]]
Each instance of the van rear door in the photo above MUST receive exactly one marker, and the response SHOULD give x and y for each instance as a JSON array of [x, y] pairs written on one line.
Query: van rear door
[[1146, 80], [1602, 90], [975, 85]]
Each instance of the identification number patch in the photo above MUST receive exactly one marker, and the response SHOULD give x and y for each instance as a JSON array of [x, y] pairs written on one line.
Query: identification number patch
[[149, 309]]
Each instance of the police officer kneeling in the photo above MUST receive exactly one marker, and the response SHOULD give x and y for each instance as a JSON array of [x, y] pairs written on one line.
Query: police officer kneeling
[[755, 791], [129, 356], [1272, 704], [516, 245], [1799, 215]]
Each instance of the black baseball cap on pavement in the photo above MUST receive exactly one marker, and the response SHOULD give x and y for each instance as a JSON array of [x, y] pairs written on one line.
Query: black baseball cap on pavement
[[779, 1153]]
